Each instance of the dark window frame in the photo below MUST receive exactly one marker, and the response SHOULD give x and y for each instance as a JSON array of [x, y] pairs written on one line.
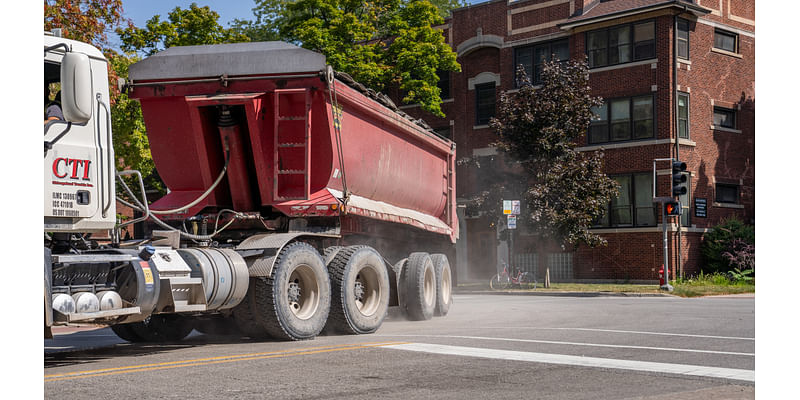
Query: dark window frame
[[607, 121], [444, 85], [717, 193], [733, 35], [531, 50], [633, 207], [687, 118], [632, 43], [479, 118], [724, 110], [680, 22]]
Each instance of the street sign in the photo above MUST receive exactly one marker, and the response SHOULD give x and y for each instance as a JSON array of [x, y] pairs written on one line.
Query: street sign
[[700, 205], [511, 207], [512, 222]]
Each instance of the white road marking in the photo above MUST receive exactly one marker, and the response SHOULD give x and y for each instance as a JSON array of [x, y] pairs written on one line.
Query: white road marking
[[619, 331], [577, 344], [680, 369]]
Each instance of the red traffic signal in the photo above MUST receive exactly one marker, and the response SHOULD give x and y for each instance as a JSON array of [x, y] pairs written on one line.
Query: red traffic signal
[[672, 208]]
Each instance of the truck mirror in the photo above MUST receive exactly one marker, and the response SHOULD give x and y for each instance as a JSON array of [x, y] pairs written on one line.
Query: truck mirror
[[76, 88]]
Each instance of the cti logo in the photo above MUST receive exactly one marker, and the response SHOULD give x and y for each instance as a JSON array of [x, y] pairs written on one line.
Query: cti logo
[[79, 168]]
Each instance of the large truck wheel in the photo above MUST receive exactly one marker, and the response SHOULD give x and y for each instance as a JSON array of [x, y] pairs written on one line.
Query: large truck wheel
[[330, 253], [359, 291], [163, 328], [293, 303], [444, 285], [244, 315], [125, 332], [420, 280]]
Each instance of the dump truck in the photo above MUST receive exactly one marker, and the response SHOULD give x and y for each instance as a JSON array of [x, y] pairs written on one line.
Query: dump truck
[[298, 201]]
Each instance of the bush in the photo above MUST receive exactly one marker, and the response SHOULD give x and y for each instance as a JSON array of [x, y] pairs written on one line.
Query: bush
[[729, 245]]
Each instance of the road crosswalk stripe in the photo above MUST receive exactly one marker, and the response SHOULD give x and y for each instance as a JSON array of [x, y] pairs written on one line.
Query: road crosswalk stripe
[[645, 366]]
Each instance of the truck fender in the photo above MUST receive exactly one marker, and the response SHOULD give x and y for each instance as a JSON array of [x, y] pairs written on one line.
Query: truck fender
[[260, 251]]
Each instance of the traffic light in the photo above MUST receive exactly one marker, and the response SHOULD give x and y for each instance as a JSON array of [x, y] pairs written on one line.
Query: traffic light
[[678, 178], [672, 208]]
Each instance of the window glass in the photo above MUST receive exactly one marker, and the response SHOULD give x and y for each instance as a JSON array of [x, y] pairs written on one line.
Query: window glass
[[643, 117], [619, 45], [484, 103], [444, 84], [620, 120], [561, 50], [621, 205], [644, 38], [598, 130], [596, 43], [727, 193], [683, 38], [724, 117], [645, 210], [725, 40], [683, 115]]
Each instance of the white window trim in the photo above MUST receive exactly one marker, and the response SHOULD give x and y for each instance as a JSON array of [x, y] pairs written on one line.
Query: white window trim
[[723, 129], [483, 77], [625, 65]]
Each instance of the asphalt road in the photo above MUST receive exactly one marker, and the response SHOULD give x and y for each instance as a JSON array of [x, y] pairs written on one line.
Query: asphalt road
[[489, 346]]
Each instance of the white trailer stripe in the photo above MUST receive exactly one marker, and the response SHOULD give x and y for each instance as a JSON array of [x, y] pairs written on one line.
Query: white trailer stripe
[[619, 346], [593, 362]]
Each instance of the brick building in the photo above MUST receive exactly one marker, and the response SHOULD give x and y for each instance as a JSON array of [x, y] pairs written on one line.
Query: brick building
[[668, 70]]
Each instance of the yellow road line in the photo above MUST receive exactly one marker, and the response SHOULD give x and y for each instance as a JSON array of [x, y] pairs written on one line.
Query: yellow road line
[[211, 361]]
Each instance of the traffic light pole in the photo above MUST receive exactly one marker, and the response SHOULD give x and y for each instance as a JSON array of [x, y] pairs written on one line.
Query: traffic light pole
[[666, 286], [664, 215]]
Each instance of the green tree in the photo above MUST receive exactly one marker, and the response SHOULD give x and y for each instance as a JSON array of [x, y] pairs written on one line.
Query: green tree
[[193, 26], [564, 190], [266, 26], [84, 20], [445, 6], [381, 43]]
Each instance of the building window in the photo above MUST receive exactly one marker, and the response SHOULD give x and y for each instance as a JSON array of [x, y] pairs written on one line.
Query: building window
[[725, 40], [682, 38], [727, 193], [621, 44], [725, 117], [633, 206], [623, 119], [484, 103], [683, 115], [444, 84], [533, 58]]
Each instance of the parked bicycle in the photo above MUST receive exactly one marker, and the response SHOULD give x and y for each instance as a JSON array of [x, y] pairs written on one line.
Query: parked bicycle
[[504, 281]]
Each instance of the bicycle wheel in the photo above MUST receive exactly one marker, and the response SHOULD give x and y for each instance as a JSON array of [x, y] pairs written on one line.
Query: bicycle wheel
[[525, 280], [499, 282]]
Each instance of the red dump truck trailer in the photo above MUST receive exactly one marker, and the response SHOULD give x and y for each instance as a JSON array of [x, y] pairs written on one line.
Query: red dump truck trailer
[[297, 201]]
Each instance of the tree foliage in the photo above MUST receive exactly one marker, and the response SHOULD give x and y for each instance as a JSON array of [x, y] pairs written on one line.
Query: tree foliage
[[564, 190], [192, 26], [729, 244], [381, 43], [84, 20]]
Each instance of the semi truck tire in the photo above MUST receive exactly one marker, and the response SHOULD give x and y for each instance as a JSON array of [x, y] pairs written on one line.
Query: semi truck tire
[[444, 284], [420, 280], [163, 328], [359, 291], [294, 301], [330, 253], [245, 317]]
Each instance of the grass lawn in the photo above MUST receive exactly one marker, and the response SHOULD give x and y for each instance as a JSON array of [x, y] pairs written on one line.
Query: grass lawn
[[692, 288]]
